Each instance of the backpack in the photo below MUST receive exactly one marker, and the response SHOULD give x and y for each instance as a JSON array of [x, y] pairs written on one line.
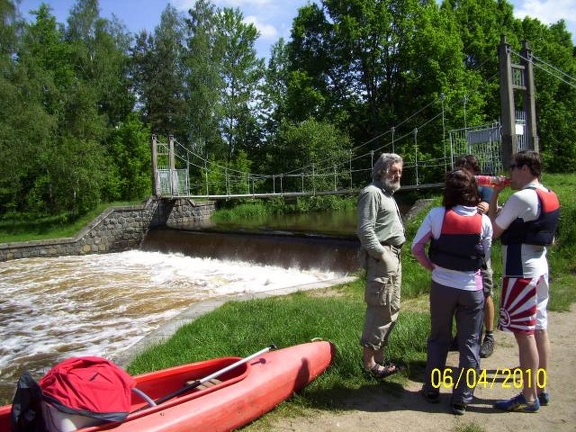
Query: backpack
[[79, 388], [26, 412]]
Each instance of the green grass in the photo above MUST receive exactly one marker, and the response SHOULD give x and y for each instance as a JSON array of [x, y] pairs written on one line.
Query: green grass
[[19, 228], [247, 210], [469, 427], [335, 314]]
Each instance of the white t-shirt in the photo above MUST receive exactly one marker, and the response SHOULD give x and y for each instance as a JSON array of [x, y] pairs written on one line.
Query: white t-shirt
[[523, 204]]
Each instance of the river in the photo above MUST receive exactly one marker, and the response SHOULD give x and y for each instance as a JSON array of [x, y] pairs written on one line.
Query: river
[[54, 308]]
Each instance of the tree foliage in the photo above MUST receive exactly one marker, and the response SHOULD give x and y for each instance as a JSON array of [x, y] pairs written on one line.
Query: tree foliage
[[80, 99]]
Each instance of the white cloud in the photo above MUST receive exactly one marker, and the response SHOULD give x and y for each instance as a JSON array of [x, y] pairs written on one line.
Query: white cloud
[[267, 31], [548, 11]]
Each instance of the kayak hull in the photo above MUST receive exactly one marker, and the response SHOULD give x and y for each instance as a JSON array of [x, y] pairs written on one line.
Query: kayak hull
[[240, 395]]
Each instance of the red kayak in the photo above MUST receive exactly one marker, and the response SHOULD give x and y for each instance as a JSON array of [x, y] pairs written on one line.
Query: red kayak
[[186, 398]]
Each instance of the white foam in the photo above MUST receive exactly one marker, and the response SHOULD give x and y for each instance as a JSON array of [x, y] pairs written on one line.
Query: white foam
[[54, 308]]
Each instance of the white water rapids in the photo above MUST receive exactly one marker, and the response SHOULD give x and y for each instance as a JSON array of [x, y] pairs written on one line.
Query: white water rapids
[[54, 308]]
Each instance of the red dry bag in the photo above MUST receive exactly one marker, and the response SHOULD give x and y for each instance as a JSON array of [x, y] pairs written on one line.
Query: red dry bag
[[89, 386]]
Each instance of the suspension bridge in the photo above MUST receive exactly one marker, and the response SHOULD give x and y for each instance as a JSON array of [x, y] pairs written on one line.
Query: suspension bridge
[[216, 182], [179, 172]]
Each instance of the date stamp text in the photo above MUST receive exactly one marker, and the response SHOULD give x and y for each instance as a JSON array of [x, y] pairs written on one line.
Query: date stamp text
[[472, 378]]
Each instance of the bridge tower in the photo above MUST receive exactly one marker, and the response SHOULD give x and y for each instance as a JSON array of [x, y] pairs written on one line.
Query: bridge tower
[[518, 119]]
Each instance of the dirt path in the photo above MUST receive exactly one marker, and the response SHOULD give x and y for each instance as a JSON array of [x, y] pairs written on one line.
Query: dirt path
[[406, 410]]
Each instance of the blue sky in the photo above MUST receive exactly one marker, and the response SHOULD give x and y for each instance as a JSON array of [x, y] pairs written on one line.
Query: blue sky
[[273, 18]]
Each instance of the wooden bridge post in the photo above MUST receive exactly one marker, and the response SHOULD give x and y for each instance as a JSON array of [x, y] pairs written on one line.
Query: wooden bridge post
[[529, 98], [509, 141]]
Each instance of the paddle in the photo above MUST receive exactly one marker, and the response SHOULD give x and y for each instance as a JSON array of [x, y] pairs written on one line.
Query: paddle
[[212, 376]]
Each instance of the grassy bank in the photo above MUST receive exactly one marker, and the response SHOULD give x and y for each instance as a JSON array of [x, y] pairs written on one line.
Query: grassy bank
[[21, 227], [336, 314]]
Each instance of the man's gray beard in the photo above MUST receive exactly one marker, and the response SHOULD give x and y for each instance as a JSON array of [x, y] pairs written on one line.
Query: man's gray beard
[[391, 186]]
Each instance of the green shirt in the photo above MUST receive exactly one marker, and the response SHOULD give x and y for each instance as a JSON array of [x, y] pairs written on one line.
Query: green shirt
[[379, 219]]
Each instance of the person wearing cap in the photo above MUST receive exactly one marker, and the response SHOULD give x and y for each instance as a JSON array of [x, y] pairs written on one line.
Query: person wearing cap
[[471, 163]]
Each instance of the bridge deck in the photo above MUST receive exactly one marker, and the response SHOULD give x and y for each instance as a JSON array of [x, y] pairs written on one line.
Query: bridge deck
[[297, 194]]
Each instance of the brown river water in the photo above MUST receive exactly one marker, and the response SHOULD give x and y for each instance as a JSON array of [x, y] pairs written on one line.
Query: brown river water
[[54, 308]]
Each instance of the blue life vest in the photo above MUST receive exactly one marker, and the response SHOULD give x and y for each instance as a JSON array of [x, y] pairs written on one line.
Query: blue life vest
[[459, 246], [538, 232]]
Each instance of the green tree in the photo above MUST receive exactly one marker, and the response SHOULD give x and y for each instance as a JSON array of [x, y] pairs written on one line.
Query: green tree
[[159, 76], [241, 72], [309, 156], [272, 106], [100, 51], [77, 76], [309, 62], [12, 112], [481, 24], [30, 104], [130, 149], [369, 66], [204, 81]]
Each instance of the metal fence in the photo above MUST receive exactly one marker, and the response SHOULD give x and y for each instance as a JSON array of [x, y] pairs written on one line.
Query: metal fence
[[172, 182], [482, 141]]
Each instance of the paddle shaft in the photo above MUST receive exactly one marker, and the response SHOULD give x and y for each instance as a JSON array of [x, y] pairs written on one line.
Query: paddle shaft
[[212, 376]]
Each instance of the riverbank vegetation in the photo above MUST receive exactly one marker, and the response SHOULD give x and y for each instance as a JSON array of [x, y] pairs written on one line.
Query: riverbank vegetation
[[261, 208], [25, 227], [82, 98], [336, 314]]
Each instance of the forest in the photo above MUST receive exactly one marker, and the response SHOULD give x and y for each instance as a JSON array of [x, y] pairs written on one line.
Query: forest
[[81, 99]]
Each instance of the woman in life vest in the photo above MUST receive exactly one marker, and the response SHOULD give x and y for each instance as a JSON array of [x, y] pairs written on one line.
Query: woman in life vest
[[460, 239]]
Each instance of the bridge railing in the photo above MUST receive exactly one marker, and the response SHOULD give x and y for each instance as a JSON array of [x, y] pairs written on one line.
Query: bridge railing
[[482, 141], [171, 180]]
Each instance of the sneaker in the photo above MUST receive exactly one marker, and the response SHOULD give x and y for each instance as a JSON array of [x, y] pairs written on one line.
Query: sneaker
[[458, 409], [544, 398], [518, 404], [430, 395], [487, 347]]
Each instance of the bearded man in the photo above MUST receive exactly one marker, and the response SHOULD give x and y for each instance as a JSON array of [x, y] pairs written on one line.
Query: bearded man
[[381, 233]]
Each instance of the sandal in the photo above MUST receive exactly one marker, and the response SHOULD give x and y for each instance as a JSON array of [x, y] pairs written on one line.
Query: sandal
[[379, 371]]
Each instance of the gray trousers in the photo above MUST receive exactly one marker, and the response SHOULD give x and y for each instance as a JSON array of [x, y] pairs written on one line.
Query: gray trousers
[[467, 307]]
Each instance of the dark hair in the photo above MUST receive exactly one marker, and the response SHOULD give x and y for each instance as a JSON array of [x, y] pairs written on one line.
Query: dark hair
[[461, 189], [469, 162], [531, 159]]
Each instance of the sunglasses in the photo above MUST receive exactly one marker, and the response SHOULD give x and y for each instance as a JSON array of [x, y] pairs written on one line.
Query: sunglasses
[[512, 166]]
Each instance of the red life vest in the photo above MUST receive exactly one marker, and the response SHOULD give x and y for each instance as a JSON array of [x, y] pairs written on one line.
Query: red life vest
[[459, 246], [541, 231]]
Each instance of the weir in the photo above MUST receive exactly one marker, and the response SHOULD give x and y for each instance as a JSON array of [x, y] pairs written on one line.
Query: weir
[[287, 250]]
